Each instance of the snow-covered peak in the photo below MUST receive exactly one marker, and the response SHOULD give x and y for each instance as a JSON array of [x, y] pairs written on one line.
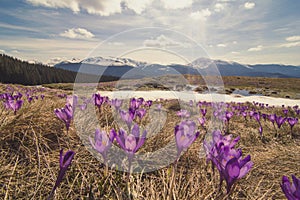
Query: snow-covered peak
[[113, 61], [201, 62], [205, 62], [57, 60], [36, 62]]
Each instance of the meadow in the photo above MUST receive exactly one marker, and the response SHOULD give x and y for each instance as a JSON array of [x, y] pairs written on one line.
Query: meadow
[[33, 134]]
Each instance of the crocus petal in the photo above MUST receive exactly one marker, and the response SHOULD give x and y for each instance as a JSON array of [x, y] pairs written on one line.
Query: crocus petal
[[286, 188], [136, 131], [141, 141], [130, 143], [245, 169], [120, 138], [65, 160]]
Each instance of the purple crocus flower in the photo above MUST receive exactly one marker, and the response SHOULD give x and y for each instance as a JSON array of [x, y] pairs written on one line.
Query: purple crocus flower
[[148, 103], [280, 120], [203, 111], [251, 113], [218, 142], [136, 103], [228, 115], [228, 160], [132, 142], [185, 135], [102, 142], [65, 114], [65, 161], [183, 114], [292, 192], [14, 105], [140, 112], [264, 116], [292, 122], [98, 100], [117, 103], [29, 99], [285, 111], [236, 168], [272, 118], [127, 117], [244, 114], [83, 106], [256, 116], [18, 95]]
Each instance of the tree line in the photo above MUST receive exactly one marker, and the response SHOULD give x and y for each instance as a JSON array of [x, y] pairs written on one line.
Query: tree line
[[13, 70]]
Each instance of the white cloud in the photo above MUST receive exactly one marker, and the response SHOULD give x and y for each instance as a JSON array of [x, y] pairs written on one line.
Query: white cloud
[[234, 42], [293, 38], [43, 49], [235, 52], [201, 14], [77, 33], [2, 51], [249, 5], [108, 7], [219, 7], [103, 7], [258, 48], [162, 42], [138, 6], [221, 45], [171, 4], [292, 44]]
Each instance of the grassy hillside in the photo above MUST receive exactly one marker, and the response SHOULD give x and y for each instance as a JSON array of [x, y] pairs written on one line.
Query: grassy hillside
[[30, 142]]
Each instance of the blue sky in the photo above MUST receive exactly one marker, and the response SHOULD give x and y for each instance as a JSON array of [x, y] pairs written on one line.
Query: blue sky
[[249, 31]]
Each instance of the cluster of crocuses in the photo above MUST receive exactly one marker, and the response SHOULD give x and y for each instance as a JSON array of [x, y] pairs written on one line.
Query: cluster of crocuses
[[258, 111], [221, 151], [130, 139], [223, 155], [14, 99], [11, 101]]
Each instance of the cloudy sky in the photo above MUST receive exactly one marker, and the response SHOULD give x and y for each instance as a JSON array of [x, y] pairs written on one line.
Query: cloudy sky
[[253, 31]]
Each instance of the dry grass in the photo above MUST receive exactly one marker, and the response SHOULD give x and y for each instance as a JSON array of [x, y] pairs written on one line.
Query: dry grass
[[274, 87], [30, 142]]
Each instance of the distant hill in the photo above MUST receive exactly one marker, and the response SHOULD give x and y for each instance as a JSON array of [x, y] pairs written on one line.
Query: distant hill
[[13, 70], [122, 67]]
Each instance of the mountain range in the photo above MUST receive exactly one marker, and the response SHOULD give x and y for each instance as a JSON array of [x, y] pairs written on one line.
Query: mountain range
[[129, 68]]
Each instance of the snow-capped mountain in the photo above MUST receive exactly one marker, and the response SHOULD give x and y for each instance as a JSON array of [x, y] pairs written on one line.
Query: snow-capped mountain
[[36, 62], [113, 61], [206, 62], [118, 67], [57, 61]]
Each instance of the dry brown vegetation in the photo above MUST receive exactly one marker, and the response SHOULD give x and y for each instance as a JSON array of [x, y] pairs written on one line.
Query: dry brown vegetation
[[275, 87], [30, 142]]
